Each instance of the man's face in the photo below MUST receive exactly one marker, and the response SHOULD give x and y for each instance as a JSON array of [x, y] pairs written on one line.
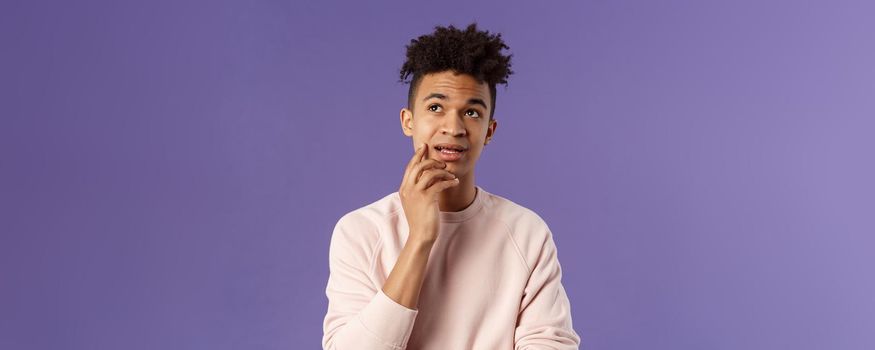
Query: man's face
[[450, 109]]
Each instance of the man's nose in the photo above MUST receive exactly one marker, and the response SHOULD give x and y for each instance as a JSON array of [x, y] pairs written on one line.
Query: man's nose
[[453, 125]]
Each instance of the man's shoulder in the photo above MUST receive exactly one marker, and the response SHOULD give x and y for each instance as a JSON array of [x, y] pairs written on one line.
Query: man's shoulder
[[515, 215], [367, 219], [526, 228]]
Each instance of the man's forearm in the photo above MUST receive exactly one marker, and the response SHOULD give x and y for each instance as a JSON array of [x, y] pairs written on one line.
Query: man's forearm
[[405, 280]]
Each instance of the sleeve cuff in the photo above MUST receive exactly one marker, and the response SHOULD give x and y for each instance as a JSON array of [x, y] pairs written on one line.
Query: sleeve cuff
[[387, 320]]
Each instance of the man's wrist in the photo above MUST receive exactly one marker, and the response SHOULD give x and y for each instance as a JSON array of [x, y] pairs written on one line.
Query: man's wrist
[[420, 242]]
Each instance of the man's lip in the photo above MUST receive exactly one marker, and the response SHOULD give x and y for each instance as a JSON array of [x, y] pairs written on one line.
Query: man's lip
[[452, 146], [449, 157]]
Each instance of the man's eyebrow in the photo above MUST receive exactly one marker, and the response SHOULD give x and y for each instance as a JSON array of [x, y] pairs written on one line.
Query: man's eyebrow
[[471, 101]]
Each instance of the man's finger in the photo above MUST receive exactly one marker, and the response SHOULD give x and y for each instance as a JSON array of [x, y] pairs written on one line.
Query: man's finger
[[417, 155], [430, 176], [422, 167], [441, 185], [413, 175]]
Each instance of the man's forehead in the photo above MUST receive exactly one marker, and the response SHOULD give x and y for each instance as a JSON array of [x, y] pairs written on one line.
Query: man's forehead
[[450, 85]]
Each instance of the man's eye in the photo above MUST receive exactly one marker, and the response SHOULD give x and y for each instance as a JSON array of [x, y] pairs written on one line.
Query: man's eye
[[474, 112], [433, 108]]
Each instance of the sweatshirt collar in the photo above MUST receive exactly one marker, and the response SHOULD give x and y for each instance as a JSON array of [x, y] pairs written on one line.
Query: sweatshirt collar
[[467, 213]]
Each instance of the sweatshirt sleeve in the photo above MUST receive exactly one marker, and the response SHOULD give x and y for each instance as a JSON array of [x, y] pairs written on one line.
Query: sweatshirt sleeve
[[360, 316], [544, 320]]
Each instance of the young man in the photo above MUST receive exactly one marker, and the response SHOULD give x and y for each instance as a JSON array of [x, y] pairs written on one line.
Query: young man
[[441, 263]]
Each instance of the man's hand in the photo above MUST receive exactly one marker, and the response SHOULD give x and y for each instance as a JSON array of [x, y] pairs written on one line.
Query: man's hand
[[423, 180]]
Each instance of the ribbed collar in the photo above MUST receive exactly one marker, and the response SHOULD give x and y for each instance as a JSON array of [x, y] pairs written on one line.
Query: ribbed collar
[[468, 212]]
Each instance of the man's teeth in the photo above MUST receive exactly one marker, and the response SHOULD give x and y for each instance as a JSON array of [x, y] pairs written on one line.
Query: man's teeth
[[447, 150]]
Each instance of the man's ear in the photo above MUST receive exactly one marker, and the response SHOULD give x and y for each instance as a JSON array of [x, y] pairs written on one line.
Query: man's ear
[[490, 130], [407, 121]]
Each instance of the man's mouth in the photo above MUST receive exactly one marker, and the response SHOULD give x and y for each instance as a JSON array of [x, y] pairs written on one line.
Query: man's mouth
[[450, 152], [450, 148]]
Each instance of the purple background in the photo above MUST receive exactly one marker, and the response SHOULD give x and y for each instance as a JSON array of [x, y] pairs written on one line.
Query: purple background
[[172, 170]]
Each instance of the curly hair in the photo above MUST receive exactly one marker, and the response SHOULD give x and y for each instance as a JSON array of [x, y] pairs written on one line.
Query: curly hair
[[470, 51]]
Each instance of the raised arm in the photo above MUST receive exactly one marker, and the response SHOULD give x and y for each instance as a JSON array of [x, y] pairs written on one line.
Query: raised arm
[[361, 316]]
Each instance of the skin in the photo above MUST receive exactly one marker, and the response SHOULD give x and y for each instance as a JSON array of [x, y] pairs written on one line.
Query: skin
[[430, 185]]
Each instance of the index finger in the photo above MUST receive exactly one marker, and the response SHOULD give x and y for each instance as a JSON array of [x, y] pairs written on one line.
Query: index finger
[[417, 157]]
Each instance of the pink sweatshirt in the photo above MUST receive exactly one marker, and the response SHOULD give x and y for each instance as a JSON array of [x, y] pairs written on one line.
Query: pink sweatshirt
[[493, 281]]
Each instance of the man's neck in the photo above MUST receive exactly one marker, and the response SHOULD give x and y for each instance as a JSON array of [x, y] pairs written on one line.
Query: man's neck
[[458, 197]]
